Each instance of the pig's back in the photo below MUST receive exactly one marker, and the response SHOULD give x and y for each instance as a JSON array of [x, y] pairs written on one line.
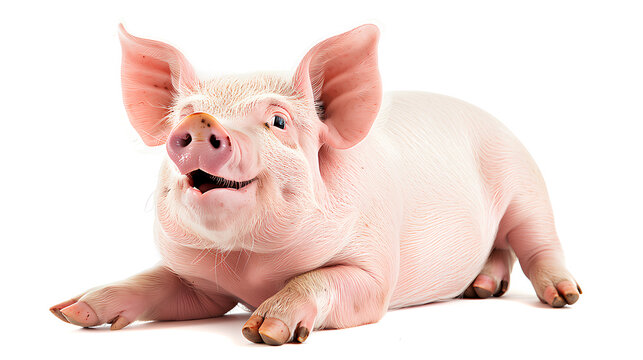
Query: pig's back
[[450, 217]]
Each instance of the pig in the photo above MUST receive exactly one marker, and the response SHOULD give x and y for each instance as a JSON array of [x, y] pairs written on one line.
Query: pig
[[315, 200]]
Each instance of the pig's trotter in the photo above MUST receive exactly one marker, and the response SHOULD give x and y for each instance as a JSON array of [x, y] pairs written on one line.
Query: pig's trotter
[[494, 277], [80, 314], [56, 309], [554, 285], [157, 294], [287, 316], [109, 304], [330, 297]]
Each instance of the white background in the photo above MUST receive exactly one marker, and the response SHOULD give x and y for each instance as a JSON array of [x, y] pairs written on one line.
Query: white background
[[76, 188]]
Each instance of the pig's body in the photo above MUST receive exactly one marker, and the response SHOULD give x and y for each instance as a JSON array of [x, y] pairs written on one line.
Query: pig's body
[[318, 202], [419, 171]]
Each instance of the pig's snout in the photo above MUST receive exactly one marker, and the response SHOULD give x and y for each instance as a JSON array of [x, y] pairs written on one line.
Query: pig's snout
[[199, 142]]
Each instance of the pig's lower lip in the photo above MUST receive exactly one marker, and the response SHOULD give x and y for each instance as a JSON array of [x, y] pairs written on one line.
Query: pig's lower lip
[[203, 182], [224, 200]]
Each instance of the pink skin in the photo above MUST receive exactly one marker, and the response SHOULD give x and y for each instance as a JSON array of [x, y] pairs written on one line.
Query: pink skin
[[327, 216], [199, 142]]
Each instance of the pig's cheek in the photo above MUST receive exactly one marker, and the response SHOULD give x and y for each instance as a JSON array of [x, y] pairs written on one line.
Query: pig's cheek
[[170, 191]]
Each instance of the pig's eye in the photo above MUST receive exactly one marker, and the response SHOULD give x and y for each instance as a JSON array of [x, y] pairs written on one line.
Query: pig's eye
[[278, 121]]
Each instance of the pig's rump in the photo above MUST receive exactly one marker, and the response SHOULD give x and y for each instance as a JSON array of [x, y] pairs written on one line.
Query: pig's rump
[[451, 209]]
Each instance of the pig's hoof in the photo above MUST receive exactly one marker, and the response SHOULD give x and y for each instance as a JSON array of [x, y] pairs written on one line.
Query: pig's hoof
[[250, 329], [56, 309], [494, 277], [483, 287], [271, 331], [102, 305], [78, 313], [282, 318], [554, 285]]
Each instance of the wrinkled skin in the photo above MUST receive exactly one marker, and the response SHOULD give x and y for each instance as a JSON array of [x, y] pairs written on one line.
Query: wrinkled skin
[[339, 202]]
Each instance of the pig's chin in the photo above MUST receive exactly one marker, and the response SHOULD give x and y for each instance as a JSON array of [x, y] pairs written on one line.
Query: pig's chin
[[203, 211]]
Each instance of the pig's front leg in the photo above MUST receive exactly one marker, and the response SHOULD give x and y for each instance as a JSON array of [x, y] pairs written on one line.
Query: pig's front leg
[[330, 297], [156, 294]]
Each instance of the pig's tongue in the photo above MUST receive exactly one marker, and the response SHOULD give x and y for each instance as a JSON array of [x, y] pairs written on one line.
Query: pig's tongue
[[205, 187]]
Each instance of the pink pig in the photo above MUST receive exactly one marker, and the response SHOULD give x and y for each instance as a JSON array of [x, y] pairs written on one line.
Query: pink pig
[[320, 202]]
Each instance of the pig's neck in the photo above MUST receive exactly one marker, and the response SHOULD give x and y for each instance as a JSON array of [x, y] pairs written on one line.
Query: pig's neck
[[252, 274]]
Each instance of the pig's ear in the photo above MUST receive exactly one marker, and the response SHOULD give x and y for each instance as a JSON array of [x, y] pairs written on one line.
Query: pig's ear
[[341, 76], [152, 72]]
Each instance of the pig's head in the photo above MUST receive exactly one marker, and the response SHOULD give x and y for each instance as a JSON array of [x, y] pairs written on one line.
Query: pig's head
[[243, 165]]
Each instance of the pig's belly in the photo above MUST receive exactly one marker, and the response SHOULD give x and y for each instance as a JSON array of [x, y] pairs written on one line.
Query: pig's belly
[[439, 259], [443, 247]]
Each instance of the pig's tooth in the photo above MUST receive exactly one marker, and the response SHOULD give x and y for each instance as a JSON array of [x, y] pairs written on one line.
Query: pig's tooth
[[220, 182]]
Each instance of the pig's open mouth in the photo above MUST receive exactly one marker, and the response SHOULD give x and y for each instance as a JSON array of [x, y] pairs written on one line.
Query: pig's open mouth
[[205, 182]]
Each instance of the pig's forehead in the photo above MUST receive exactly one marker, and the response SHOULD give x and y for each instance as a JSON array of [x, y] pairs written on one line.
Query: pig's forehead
[[237, 94]]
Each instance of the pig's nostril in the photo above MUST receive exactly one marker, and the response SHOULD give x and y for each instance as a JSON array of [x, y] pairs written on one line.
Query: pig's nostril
[[216, 143], [185, 140]]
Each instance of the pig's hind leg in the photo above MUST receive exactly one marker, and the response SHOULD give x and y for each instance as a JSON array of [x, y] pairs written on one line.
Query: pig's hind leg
[[494, 277], [156, 294], [528, 227]]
